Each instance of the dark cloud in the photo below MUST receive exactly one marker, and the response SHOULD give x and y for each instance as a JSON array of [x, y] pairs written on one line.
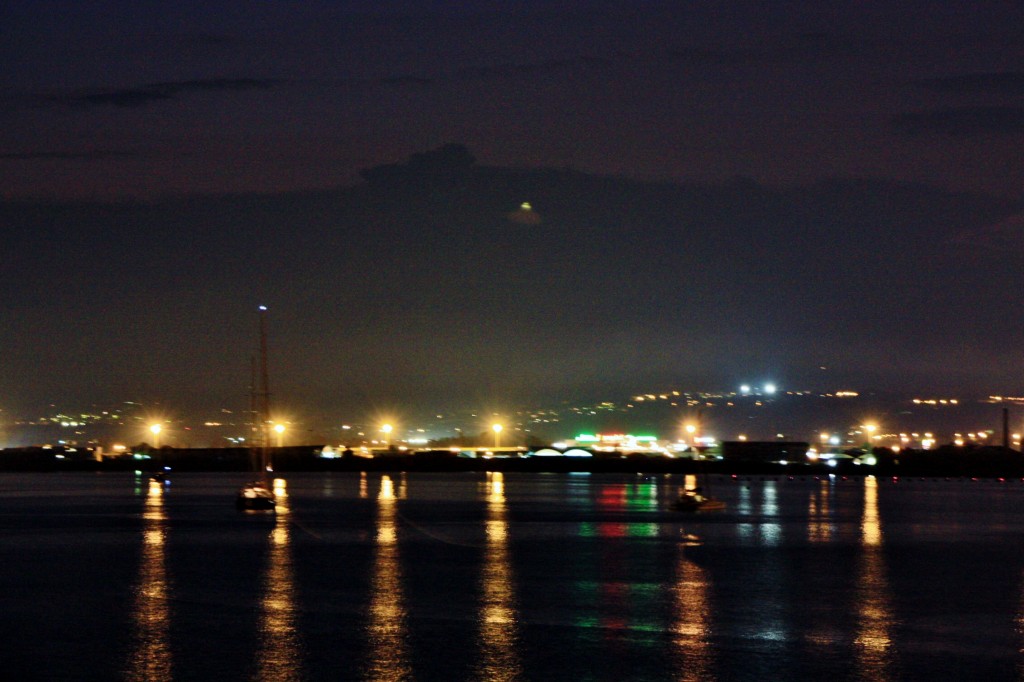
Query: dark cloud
[[69, 156], [489, 71], [1002, 83], [401, 80], [800, 48], [436, 263], [524, 68], [143, 95], [959, 121], [1004, 238]]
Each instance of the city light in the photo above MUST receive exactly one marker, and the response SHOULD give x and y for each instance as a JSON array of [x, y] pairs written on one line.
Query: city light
[[870, 429]]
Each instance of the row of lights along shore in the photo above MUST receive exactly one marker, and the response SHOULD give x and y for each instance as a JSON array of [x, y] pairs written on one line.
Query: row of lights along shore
[[927, 439]]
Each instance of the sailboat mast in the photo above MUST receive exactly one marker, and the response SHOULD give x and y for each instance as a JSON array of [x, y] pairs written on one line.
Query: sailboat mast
[[263, 394], [254, 404]]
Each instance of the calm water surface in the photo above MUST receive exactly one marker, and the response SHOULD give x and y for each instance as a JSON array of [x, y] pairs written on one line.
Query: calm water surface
[[510, 577]]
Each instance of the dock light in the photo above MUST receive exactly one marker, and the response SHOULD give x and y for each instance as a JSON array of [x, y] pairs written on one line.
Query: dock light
[[279, 429], [497, 435], [156, 429], [387, 429]]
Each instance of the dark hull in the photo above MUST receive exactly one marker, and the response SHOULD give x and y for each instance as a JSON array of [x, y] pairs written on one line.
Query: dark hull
[[691, 503], [255, 498]]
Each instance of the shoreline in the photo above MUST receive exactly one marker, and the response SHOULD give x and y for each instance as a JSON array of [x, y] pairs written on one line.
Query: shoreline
[[989, 462]]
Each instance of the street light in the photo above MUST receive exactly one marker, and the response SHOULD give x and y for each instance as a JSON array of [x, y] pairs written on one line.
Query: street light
[[497, 435], [386, 428], [156, 428], [871, 428], [279, 428]]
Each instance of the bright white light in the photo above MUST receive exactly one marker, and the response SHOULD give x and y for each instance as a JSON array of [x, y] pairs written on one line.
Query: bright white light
[[745, 389], [769, 389]]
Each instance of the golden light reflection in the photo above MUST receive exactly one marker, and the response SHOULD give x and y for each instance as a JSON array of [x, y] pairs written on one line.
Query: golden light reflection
[[873, 644], [499, 632], [871, 527], [819, 513], [386, 630], [692, 620], [279, 656], [364, 488], [151, 655]]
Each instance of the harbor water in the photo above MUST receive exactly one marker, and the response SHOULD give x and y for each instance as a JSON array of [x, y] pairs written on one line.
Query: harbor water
[[515, 576]]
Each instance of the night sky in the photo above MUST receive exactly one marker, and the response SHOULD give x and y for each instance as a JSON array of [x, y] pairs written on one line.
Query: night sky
[[825, 195]]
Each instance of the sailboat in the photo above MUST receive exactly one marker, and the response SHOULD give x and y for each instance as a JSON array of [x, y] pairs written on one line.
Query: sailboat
[[698, 498], [695, 500], [258, 495]]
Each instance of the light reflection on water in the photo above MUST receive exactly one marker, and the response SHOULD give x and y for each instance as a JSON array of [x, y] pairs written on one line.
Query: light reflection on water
[[499, 630], [387, 629], [873, 643], [560, 577], [694, 620], [771, 529], [279, 656], [819, 513], [771, 618], [151, 656]]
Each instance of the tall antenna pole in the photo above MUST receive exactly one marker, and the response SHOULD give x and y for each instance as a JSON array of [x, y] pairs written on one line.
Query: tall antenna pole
[[1006, 427], [254, 403], [263, 394]]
